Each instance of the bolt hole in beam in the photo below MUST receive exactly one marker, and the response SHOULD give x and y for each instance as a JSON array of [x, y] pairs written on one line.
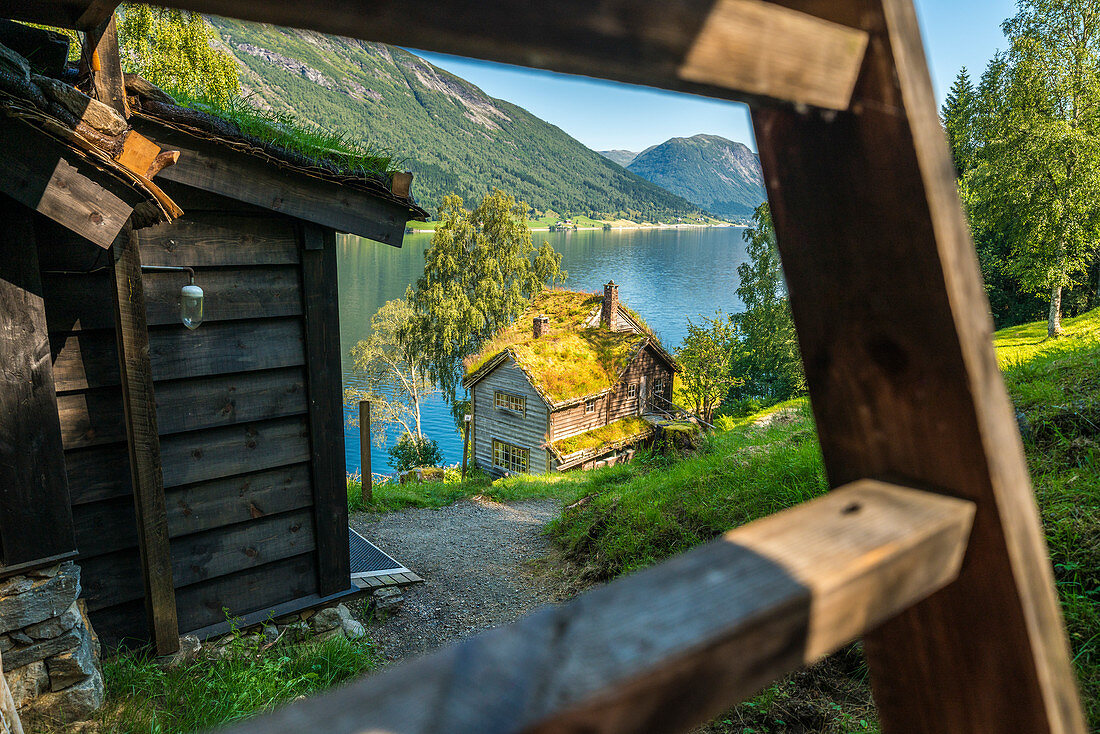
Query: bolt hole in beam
[[668, 647]]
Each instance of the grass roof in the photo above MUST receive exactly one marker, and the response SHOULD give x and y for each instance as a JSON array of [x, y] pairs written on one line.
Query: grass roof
[[570, 360], [612, 433]]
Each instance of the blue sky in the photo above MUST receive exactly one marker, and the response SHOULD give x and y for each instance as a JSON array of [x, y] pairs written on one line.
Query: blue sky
[[605, 115]]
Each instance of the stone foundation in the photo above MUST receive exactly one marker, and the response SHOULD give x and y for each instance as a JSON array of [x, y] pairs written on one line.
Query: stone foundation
[[49, 651]]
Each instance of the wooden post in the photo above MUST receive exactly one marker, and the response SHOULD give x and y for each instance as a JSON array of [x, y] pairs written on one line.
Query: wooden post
[[896, 340], [466, 420], [100, 55], [36, 522], [364, 451], [140, 416], [326, 408]]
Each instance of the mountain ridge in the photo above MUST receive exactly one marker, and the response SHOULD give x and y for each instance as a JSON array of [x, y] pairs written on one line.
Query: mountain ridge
[[451, 134]]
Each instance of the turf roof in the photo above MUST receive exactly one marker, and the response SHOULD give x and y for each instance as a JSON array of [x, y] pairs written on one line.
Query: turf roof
[[570, 360], [613, 433]]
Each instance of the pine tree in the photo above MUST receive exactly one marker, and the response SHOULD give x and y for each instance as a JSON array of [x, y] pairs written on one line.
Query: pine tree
[[957, 115]]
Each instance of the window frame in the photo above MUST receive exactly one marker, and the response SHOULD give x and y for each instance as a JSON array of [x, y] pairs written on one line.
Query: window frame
[[590, 406], [632, 390], [511, 458], [509, 401]]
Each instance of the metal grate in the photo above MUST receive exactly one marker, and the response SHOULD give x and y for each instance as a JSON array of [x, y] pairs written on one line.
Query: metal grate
[[368, 560]]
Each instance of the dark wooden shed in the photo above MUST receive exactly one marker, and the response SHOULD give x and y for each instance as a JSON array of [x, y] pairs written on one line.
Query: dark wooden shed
[[194, 474]]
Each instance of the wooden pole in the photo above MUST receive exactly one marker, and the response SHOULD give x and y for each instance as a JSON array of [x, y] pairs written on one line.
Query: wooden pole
[[465, 443], [101, 56], [364, 451]]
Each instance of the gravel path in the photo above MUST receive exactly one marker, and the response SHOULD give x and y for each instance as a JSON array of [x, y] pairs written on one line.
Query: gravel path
[[474, 557]]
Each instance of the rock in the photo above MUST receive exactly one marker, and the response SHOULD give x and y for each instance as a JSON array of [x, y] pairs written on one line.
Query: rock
[[21, 638], [96, 647], [46, 51], [45, 573], [55, 626], [307, 614], [387, 600], [15, 585], [46, 598], [73, 666], [13, 63], [352, 629], [343, 611], [325, 620], [297, 631], [90, 111], [5, 643], [27, 682], [44, 649], [189, 651], [270, 633], [288, 619], [74, 703]]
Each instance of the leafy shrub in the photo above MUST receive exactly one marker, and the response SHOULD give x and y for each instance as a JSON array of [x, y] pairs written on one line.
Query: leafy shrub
[[412, 451]]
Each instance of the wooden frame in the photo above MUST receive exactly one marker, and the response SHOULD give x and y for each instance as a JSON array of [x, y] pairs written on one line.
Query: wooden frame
[[901, 374]]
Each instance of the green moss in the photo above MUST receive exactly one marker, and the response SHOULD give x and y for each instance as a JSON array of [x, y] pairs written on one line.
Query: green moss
[[570, 360], [612, 433]]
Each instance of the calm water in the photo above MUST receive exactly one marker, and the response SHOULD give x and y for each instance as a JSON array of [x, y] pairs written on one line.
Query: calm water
[[665, 275]]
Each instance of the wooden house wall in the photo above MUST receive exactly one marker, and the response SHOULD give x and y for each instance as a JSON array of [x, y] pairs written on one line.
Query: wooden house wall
[[489, 422], [232, 415]]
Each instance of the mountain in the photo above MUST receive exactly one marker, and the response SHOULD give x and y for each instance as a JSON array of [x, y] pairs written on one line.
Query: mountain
[[721, 176], [622, 157], [454, 137]]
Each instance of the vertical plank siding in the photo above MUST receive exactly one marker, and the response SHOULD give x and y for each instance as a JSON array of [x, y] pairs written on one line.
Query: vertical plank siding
[[527, 431], [232, 408]]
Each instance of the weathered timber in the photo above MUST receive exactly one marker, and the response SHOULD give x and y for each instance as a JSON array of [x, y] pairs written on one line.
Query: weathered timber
[[140, 419], [101, 49], [326, 407], [91, 417], [104, 527], [904, 383], [189, 405], [35, 521], [238, 449], [366, 472], [230, 173], [98, 473], [84, 360], [81, 302], [219, 239], [663, 649], [527, 430], [641, 42], [45, 176]]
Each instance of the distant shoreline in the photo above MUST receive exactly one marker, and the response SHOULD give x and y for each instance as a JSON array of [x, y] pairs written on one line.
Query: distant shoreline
[[614, 227]]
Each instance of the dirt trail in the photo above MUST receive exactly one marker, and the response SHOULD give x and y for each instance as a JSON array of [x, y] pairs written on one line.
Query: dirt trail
[[478, 559]]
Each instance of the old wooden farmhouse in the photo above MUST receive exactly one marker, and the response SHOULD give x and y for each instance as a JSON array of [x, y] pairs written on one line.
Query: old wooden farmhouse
[[576, 381]]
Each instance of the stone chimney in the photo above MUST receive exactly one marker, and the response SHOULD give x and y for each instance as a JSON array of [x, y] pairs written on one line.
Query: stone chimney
[[610, 305], [539, 326]]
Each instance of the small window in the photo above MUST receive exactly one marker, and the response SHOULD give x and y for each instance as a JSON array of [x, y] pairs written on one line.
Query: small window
[[509, 457], [659, 387], [590, 406], [508, 401], [632, 390]]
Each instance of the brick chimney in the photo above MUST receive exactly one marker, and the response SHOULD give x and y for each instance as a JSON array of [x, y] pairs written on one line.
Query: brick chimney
[[539, 326], [610, 305]]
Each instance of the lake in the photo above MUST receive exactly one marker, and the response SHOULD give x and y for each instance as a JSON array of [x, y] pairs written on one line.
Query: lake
[[666, 275]]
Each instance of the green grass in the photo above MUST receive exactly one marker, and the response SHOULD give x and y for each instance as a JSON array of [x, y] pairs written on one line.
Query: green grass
[[613, 432], [144, 699], [1024, 342]]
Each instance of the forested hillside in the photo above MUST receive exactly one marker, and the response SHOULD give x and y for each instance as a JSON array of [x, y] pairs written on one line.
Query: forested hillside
[[622, 157], [454, 137], [719, 175]]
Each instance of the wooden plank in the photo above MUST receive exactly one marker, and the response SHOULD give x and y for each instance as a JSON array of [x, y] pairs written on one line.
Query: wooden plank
[[35, 521], [223, 452], [84, 360], [98, 473], [229, 173], [101, 48], [44, 175], [105, 527], [639, 42], [366, 473], [220, 239], [904, 383], [91, 417], [326, 409], [671, 645], [189, 405], [245, 619], [140, 418], [114, 578]]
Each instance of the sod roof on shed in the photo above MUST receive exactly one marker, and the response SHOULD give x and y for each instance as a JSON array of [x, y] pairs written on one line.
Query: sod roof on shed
[[570, 360]]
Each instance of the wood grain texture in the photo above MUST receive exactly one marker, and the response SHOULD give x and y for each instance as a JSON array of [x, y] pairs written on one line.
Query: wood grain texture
[[221, 452], [108, 83], [35, 521], [772, 51], [140, 419], [98, 473], [667, 647], [220, 239], [634, 41], [45, 176], [190, 405], [527, 430], [223, 171], [903, 382], [326, 408]]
